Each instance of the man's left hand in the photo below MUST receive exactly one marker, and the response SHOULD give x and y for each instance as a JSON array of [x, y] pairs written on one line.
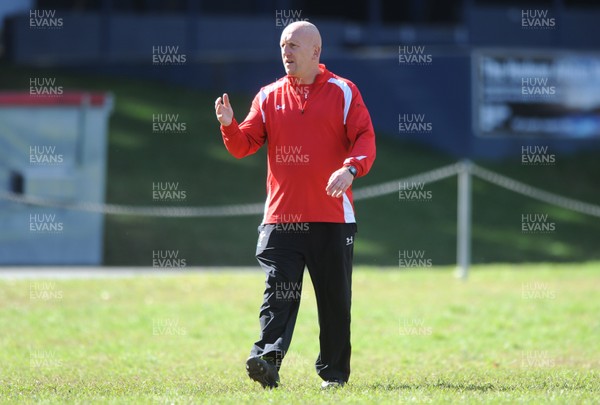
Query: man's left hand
[[339, 182]]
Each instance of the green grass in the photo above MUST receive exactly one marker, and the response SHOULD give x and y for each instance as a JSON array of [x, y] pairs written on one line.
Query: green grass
[[198, 160], [510, 334]]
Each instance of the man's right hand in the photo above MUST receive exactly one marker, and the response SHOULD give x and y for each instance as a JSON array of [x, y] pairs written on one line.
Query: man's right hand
[[223, 110]]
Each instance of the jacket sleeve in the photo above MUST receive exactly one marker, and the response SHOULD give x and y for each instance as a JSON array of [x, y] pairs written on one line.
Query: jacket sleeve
[[359, 130], [246, 138]]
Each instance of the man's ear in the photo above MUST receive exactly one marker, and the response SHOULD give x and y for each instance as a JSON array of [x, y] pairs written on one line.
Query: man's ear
[[317, 52]]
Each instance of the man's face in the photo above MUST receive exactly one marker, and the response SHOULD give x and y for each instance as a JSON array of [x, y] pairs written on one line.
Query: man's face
[[298, 53]]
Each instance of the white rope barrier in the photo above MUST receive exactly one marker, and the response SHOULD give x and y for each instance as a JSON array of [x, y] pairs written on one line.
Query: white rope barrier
[[144, 211], [378, 190], [391, 187], [535, 193]]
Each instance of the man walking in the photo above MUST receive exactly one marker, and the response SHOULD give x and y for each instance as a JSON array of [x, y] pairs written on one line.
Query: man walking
[[319, 137]]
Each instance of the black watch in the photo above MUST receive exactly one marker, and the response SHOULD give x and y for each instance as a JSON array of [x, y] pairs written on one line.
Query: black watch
[[352, 170]]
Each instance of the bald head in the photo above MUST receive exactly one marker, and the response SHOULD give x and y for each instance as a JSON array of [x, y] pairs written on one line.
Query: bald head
[[301, 50], [306, 30]]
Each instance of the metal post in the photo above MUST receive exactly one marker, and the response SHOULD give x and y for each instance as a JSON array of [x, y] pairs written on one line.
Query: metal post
[[463, 245]]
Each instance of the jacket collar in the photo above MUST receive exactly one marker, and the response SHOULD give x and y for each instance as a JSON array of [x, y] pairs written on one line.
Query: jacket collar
[[321, 77]]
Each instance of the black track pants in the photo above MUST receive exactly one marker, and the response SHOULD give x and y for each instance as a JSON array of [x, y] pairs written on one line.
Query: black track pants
[[326, 249]]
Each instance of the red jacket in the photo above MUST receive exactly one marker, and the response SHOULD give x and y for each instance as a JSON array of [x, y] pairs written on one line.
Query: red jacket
[[311, 131]]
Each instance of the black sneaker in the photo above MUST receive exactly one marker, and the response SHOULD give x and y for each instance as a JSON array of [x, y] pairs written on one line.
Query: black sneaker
[[263, 372], [332, 384]]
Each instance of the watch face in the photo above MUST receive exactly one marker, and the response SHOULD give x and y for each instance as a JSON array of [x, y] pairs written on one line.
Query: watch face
[[352, 170]]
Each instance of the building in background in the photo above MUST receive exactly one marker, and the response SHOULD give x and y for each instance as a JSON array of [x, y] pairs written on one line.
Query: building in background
[[52, 149]]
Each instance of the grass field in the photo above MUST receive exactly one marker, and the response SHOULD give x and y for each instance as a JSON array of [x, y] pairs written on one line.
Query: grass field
[[510, 334]]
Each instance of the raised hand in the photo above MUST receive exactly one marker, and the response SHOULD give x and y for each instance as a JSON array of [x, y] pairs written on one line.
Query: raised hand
[[224, 110]]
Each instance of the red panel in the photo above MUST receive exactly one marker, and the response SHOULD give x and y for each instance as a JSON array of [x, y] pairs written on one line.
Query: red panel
[[66, 99]]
